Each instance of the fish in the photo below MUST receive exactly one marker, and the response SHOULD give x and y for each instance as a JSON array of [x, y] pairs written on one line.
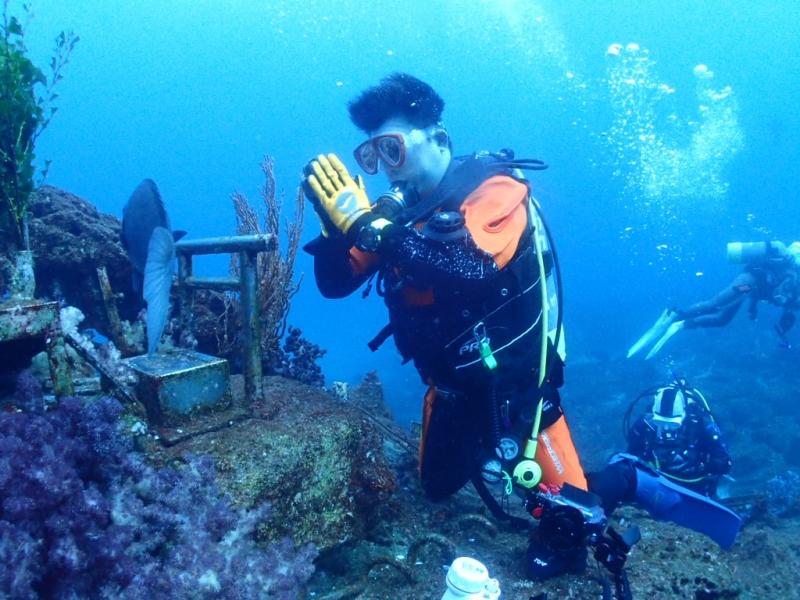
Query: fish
[[142, 214], [150, 244]]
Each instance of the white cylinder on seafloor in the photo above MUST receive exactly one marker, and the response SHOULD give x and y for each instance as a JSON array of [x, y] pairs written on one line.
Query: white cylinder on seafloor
[[468, 579]]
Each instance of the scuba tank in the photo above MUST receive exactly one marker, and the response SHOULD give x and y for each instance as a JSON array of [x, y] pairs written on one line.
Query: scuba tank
[[744, 252]]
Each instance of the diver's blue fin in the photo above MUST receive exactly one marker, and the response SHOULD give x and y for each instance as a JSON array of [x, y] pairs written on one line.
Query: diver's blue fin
[[671, 330], [157, 284], [666, 500], [654, 332]]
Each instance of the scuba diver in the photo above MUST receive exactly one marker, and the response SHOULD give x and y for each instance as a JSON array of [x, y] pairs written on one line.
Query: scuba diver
[[459, 251], [679, 437], [771, 274]]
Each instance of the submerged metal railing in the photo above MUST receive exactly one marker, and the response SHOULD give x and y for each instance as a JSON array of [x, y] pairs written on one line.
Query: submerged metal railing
[[248, 247]]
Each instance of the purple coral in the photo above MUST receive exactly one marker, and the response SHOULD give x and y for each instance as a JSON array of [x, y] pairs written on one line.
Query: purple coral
[[29, 395], [83, 516], [300, 358]]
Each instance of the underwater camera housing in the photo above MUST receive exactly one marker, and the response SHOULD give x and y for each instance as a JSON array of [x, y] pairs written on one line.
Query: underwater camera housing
[[573, 518], [569, 519], [744, 252]]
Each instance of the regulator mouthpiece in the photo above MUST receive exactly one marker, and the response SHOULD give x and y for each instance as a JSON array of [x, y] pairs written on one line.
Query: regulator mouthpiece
[[392, 202]]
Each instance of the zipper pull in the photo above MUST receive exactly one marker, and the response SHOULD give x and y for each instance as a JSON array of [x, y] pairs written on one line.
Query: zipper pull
[[485, 350]]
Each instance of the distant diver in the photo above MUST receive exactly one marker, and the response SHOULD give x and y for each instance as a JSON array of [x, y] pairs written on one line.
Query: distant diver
[[771, 274], [149, 241]]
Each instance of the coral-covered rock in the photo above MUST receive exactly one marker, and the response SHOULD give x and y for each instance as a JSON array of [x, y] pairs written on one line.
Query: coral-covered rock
[[70, 239], [369, 395], [318, 462]]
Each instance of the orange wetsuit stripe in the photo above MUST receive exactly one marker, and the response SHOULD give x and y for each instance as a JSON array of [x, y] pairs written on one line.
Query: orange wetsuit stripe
[[362, 262], [427, 409], [558, 458], [496, 215]]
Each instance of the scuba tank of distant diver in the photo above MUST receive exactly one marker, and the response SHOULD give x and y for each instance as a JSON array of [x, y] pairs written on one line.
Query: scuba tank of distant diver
[[744, 252]]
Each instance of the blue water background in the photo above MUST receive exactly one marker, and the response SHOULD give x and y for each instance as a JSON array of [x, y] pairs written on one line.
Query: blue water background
[[194, 93]]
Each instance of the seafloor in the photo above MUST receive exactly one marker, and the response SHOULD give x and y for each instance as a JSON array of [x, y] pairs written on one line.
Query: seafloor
[[403, 556], [404, 541]]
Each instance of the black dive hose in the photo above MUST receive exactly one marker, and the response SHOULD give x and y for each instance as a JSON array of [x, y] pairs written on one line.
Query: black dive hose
[[626, 419], [528, 164], [622, 589]]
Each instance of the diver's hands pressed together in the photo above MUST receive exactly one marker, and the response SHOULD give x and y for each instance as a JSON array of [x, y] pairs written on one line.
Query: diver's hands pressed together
[[338, 199]]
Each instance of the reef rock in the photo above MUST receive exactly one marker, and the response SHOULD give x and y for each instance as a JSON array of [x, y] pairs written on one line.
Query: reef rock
[[318, 461], [70, 239]]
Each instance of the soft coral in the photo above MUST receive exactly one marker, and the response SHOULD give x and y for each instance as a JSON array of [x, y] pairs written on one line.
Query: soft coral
[[83, 515]]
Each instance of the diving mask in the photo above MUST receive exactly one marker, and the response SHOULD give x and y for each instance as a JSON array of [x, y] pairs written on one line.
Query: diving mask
[[389, 147], [665, 431]]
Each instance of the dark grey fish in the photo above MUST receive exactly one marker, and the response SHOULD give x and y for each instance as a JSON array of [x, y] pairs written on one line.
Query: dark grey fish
[[142, 214], [149, 241]]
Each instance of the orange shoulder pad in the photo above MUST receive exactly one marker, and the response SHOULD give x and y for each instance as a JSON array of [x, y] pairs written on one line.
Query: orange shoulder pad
[[496, 215]]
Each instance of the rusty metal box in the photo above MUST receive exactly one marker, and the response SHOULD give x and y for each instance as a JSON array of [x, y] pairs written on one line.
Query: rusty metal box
[[175, 385]]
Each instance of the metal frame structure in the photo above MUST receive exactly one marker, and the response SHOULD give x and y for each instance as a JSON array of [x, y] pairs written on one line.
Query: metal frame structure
[[248, 248]]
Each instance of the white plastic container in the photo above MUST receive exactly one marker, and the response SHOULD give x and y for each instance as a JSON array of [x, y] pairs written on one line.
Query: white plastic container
[[468, 579]]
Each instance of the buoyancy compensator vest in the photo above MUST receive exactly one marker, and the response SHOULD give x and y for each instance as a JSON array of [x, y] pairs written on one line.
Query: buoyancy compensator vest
[[449, 338]]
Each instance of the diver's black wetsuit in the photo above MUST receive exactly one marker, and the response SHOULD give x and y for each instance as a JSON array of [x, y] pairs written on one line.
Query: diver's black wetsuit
[[443, 292]]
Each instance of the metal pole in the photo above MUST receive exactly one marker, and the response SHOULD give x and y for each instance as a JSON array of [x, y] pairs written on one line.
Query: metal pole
[[237, 243], [251, 324], [111, 313]]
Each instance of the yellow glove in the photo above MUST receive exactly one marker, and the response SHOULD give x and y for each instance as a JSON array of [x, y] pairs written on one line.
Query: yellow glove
[[342, 198]]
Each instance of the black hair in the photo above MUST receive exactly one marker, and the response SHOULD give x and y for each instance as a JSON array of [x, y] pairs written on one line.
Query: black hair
[[397, 95]]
